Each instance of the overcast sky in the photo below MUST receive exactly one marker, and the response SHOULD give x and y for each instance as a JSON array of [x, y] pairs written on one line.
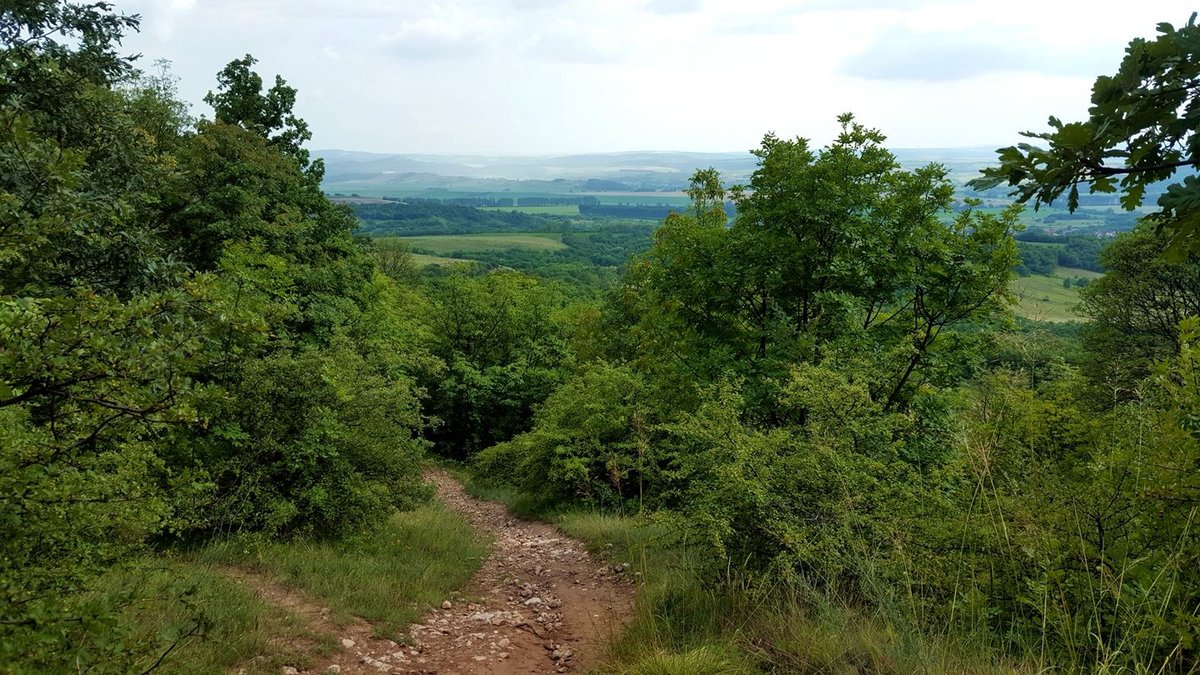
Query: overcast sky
[[561, 76]]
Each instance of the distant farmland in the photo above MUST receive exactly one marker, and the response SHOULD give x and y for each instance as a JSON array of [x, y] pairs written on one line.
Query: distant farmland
[[1044, 298], [475, 243]]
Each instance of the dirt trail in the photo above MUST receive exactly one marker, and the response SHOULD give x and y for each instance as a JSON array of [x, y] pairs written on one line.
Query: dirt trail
[[538, 604]]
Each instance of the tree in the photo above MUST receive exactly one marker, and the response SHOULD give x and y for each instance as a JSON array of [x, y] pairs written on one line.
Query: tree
[[833, 251], [1135, 310], [1141, 129], [98, 343], [240, 100], [503, 351]]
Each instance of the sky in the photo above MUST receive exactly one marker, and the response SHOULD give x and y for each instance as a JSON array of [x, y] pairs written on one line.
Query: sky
[[539, 77]]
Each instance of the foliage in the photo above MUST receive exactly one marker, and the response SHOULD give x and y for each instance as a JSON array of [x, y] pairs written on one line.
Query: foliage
[[1141, 129], [590, 442], [1135, 310], [503, 351], [796, 278], [1077, 252], [240, 101], [428, 217], [192, 341]]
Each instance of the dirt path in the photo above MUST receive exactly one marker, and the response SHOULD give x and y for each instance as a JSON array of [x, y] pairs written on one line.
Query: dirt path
[[538, 604]]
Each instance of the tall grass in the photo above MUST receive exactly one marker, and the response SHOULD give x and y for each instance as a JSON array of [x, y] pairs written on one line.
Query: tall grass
[[389, 576], [685, 623], [186, 617]]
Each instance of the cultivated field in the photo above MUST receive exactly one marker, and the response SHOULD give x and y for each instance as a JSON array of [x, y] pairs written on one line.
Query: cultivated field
[[470, 243]]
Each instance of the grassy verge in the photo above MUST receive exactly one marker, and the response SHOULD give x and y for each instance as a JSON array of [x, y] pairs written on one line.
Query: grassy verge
[[193, 619], [388, 577], [684, 624], [182, 608]]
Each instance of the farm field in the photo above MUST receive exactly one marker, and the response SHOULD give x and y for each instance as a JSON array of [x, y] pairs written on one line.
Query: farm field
[[1043, 297], [565, 210], [423, 260], [469, 243]]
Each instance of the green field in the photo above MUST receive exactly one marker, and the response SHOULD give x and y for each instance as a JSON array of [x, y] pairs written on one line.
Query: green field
[[472, 243], [423, 260], [566, 210], [1043, 298]]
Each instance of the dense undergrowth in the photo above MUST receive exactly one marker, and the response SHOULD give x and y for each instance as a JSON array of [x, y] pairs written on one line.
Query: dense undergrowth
[[814, 428], [686, 622]]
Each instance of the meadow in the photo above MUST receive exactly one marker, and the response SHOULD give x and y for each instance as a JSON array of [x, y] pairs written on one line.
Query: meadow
[[1044, 298]]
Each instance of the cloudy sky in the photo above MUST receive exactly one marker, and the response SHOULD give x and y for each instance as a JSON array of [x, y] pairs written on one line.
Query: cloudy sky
[[560, 76]]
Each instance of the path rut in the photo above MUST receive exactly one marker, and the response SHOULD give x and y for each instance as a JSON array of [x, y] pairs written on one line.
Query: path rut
[[540, 603]]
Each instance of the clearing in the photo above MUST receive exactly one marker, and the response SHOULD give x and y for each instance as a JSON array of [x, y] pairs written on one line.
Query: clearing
[[1044, 298], [540, 603]]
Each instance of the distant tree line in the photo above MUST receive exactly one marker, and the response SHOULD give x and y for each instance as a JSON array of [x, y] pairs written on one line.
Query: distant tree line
[[637, 211], [429, 216]]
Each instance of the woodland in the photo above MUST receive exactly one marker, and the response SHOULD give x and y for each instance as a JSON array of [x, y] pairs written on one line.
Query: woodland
[[820, 399]]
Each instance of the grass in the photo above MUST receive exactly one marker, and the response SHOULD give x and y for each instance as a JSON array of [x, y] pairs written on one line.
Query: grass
[[185, 603], [388, 577], [473, 243], [1043, 297], [561, 210], [422, 260], [201, 620], [685, 625]]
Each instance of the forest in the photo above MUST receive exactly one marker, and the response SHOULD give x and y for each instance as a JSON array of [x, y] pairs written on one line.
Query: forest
[[812, 421]]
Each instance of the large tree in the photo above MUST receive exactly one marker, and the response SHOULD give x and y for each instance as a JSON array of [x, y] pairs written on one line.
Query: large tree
[[836, 250]]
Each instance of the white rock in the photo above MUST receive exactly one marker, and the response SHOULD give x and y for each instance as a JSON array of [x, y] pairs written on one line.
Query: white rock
[[503, 643], [334, 669], [290, 671], [347, 643], [446, 604], [533, 601]]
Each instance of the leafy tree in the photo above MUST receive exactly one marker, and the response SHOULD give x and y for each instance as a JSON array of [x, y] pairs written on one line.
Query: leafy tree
[[831, 250], [591, 441], [165, 293], [503, 351], [1141, 129], [1135, 310], [98, 343], [240, 100]]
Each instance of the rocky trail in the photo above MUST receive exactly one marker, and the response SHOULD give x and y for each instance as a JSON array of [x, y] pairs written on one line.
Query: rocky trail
[[540, 603]]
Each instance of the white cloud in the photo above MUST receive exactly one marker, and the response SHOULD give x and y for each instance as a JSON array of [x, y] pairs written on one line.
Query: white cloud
[[674, 6], [547, 76]]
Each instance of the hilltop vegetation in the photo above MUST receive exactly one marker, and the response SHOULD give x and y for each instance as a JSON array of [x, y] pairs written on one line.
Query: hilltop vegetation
[[812, 420]]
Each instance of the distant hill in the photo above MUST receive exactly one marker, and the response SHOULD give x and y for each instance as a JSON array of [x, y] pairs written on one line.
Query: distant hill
[[378, 173]]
